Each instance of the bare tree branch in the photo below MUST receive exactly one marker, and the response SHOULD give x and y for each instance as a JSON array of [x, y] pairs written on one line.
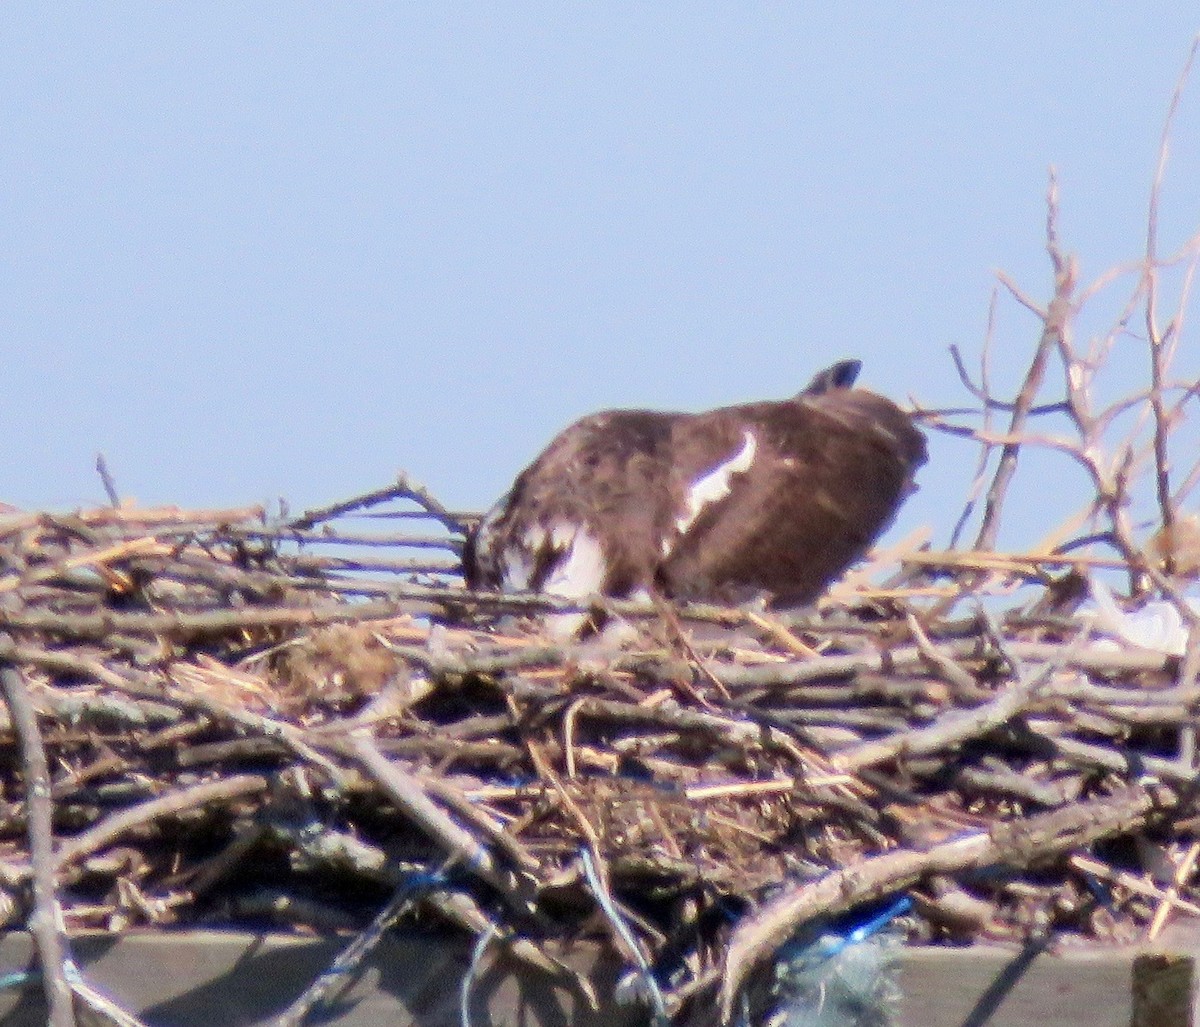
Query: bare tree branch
[[1055, 318]]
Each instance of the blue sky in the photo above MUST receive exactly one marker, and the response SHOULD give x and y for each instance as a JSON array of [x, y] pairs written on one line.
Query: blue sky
[[286, 252]]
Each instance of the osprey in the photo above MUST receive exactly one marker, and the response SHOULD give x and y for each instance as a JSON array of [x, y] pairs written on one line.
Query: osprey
[[771, 497]]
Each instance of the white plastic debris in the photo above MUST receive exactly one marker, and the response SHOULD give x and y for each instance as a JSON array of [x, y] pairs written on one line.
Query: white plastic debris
[[1158, 625], [843, 978], [853, 986]]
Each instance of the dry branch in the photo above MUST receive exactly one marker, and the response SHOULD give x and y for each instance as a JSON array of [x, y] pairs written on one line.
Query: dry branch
[[46, 921]]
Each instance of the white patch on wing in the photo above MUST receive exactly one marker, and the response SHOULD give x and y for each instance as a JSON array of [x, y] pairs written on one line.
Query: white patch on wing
[[714, 486], [519, 559], [563, 534], [886, 434], [580, 568], [577, 567], [516, 570]]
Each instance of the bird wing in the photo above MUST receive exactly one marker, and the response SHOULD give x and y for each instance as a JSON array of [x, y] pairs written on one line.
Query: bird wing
[[826, 478]]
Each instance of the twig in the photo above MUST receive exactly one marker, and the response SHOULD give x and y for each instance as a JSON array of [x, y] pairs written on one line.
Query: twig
[[328, 537], [1138, 885], [350, 957], [46, 922], [1153, 334], [464, 993], [1171, 896], [419, 494], [963, 681], [957, 725], [310, 518], [114, 826], [1054, 318], [604, 900], [982, 391], [110, 486], [104, 1010], [403, 488], [463, 849]]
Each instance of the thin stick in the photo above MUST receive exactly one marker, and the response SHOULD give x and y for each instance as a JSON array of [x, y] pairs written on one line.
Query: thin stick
[[110, 486], [1182, 872], [1054, 319], [354, 953], [463, 849], [46, 922], [984, 393], [112, 827], [1097, 868], [404, 487], [310, 518], [599, 887], [1154, 336], [956, 725], [419, 494]]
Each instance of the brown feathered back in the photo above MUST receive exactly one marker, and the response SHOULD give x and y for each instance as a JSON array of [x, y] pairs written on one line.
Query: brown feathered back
[[777, 497]]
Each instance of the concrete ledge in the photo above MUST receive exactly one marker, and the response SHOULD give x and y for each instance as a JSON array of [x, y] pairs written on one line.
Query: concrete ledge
[[236, 979], [1150, 986]]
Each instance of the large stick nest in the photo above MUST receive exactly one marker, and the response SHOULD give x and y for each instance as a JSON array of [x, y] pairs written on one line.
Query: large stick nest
[[286, 722]]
